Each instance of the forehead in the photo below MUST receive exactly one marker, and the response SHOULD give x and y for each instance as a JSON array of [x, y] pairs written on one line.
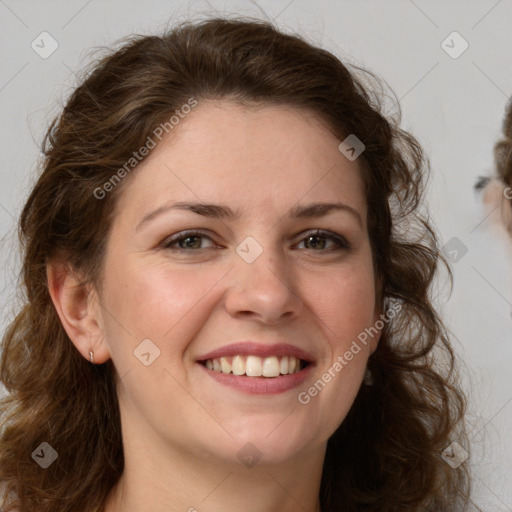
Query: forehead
[[265, 159]]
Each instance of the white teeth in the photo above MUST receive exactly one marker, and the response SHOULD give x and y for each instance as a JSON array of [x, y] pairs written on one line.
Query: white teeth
[[254, 366], [271, 367], [238, 365], [225, 365], [284, 365]]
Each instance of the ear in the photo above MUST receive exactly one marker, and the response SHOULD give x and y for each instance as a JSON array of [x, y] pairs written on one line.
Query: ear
[[79, 310]]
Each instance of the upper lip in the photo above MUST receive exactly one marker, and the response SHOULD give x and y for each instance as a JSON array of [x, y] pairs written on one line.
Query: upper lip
[[258, 349]]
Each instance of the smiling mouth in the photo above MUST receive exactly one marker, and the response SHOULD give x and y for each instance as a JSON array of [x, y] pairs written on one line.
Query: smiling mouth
[[255, 366]]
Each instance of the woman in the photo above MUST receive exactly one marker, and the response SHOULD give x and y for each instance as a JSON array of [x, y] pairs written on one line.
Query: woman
[[497, 191], [228, 285]]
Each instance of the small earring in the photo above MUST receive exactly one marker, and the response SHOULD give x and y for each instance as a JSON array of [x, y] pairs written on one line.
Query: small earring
[[368, 377], [91, 356]]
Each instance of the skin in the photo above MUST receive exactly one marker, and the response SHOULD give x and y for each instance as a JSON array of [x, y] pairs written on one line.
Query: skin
[[181, 429], [497, 198]]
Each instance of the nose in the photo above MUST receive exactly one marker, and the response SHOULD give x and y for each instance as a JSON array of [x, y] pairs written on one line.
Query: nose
[[264, 290]]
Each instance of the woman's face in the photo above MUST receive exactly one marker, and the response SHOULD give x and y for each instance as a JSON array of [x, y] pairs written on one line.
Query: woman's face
[[260, 285]]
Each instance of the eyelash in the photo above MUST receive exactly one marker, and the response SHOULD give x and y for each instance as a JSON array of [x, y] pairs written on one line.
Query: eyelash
[[339, 240]]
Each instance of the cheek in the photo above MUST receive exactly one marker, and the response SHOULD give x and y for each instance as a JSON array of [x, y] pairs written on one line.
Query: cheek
[[344, 302], [344, 311], [156, 302]]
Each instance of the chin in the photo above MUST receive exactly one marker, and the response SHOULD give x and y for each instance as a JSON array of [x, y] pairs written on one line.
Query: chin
[[265, 444]]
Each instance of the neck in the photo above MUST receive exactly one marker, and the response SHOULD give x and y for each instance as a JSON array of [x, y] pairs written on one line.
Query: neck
[[181, 481]]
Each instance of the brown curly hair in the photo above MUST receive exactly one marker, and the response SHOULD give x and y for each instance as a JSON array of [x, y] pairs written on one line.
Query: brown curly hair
[[386, 455], [503, 149]]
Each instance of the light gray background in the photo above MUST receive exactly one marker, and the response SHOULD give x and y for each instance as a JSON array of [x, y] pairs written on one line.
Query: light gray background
[[453, 106]]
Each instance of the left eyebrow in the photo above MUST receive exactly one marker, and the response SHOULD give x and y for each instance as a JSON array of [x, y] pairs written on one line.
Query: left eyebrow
[[219, 211], [321, 209]]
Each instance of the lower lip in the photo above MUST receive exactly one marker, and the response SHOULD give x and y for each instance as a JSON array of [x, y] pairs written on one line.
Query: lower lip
[[261, 385]]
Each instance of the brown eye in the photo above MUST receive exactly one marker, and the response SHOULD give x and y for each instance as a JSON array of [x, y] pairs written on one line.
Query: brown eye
[[319, 239], [185, 241]]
